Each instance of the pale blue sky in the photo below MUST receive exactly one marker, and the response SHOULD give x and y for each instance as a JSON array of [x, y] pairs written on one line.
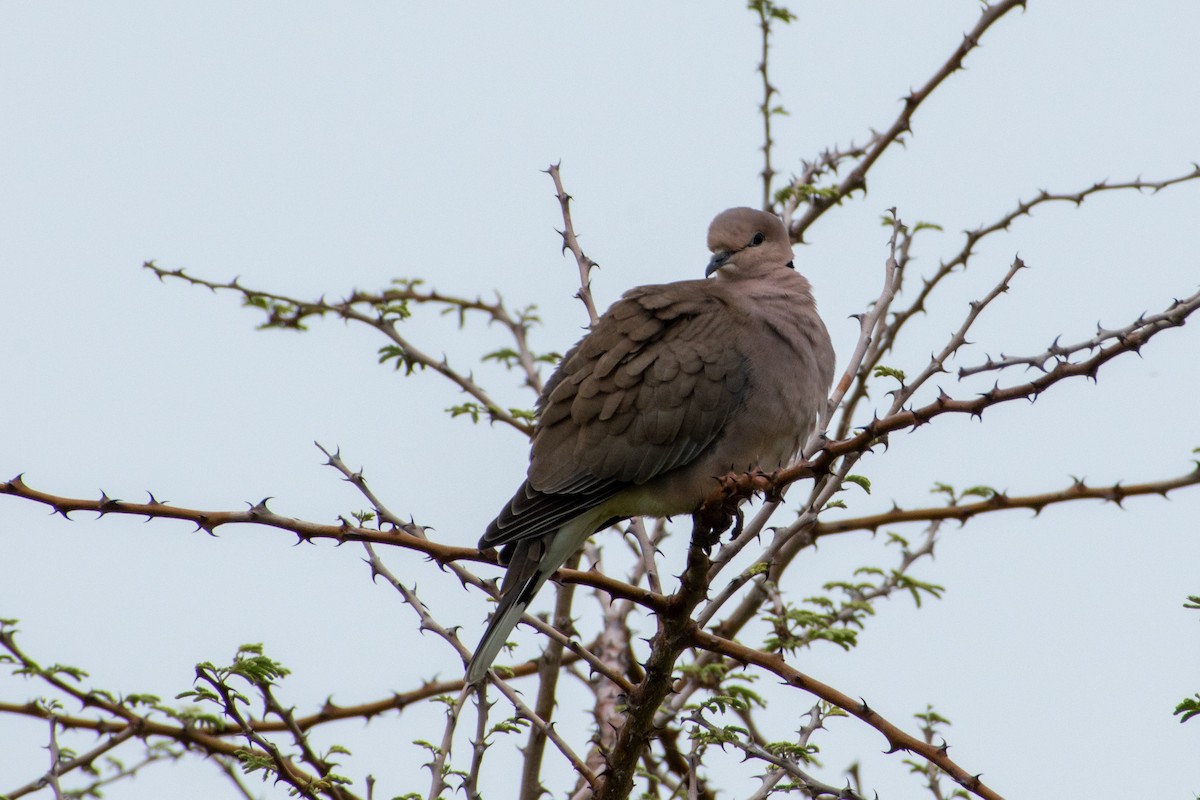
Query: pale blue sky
[[313, 148]]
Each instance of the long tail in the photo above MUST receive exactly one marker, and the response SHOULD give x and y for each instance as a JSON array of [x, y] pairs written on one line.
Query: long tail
[[527, 571]]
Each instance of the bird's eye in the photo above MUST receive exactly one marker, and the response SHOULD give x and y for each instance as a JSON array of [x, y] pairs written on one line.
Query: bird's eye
[[757, 240]]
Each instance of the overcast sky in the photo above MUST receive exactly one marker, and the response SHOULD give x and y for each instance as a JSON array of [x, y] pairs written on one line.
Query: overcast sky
[[316, 148]]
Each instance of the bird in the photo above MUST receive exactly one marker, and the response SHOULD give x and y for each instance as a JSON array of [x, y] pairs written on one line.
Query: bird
[[673, 387]]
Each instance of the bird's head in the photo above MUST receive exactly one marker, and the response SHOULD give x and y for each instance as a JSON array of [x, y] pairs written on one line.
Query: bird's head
[[746, 242]]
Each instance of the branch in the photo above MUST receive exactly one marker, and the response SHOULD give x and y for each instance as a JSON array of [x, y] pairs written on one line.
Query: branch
[[527, 713], [256, 514], [896, 738], [857, 178], [571, 242], [670, 640], [384, 310], [1000, 501], [787, 765], [767, 12], [737, 487], [890, 333]]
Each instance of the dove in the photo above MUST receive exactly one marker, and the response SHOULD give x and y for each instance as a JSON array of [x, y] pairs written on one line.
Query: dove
[[674, 386]]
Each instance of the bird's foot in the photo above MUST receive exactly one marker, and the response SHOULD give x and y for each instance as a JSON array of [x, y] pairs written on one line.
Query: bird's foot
[[709, 522]]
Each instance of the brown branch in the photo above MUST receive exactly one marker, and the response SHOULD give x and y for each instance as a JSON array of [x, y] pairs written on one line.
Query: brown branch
[[958, 339], [1117, 493], [802, 188], [271, 705], [126, 719], [929, 284], [571, 242], [329, 712], [737, 487], [257, 514], [551, 733], [284, 768], [896, 738], [767, 12], [857, 177], [549, 668], [289, 312], [672, 637], [306, 531], [755, 747]]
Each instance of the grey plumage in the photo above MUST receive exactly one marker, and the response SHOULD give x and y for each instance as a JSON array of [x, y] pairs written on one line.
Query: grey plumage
[[675, 385]]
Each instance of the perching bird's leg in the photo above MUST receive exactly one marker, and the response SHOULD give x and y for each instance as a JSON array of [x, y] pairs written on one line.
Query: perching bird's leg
[[709, 522], [739, 523]]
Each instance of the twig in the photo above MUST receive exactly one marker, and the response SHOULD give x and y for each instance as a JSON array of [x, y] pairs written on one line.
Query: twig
[[767, 12], [384, 311], [549, 667], [571, 242], [527, 713], [811, 786], [857, 177], [1001, 501], [441, 756], [937, 363], [897, 739], [960, 261]]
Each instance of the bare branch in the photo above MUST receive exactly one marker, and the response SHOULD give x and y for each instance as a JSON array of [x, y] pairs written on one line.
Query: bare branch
[[960, 260], [857, 177], [571, 242], [527, 713], [1000, 501], [384, 311], [896, 738], [768, 12]]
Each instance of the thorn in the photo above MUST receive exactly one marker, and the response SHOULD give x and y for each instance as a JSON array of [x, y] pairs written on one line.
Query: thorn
[[260, 507], [107, 503]]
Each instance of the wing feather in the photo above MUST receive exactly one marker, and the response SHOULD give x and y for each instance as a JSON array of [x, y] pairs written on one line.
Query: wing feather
[[643, 393]]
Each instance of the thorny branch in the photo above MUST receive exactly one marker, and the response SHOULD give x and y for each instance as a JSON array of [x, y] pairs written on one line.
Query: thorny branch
[[385, 311], [959, 261], [768, 12], [786, 765], [628, 745], [571, 242], [857, 177], [897, 739]]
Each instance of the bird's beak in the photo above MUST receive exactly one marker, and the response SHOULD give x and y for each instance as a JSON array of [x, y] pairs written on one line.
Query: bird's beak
[[718, 260]]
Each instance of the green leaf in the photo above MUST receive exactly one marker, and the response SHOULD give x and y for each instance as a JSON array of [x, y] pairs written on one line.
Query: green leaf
[[1189, 708], [889, 372], [526, 414], [861, 481], [62, 669], [505, 355], [469, 408], [946, 489], [259, 669]]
